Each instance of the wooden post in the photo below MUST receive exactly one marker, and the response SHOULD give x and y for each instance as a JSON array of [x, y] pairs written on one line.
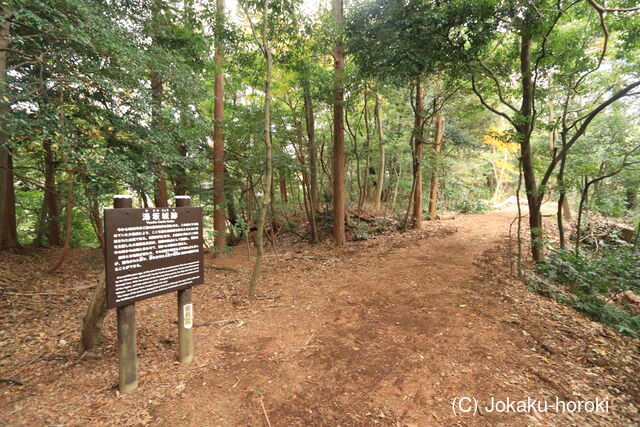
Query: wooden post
[[127, 358], [185, 310]]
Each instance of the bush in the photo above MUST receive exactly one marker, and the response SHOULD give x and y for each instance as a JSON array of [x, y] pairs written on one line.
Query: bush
[[593, 284]]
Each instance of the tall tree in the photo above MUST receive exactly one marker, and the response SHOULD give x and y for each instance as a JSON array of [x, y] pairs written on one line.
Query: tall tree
[[546, 54], [219, 219], [161, 194], [50, 199], [8, 227], [381, 157], [418, 148], [437, 148], [265, 46], [313, 160], [339, 196]]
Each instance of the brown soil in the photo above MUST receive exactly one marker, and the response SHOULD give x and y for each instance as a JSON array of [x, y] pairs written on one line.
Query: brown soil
[[386, 331]]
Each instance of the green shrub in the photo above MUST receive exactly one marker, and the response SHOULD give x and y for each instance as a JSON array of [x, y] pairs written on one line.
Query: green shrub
[[592, 284]]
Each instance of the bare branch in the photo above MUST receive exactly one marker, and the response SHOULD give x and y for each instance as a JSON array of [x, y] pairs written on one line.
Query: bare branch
[[582, 129], [487, 106], [493, 77], [253, 30], [602, 9]]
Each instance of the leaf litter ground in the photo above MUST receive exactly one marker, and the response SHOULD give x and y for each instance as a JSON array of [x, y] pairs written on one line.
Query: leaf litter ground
[[385, 331]]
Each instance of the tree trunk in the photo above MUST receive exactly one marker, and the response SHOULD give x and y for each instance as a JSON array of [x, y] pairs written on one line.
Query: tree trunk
[[232, 214], [8, 225], [161, 196], [50, 196], [437, 148], [356, 154], [68, 211], [367, 153], [262, 210], [339, 236], [562, 200], [94, 213], [566, 210], [282, 182], [219, 220], [42, 217], [306, 187], [91, 332], [595, 194], [313, 162], [631, 197], [585, 180], [584, 199], [524, 134], [180, 179], [396, 186], [381, 160], [417, 160], [145, 202]]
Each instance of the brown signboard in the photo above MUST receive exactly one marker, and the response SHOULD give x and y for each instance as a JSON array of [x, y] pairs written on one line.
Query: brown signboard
[[149, 252]]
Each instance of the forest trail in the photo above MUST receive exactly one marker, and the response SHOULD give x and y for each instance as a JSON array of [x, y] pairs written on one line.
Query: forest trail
[[389, 337], [386, 331]]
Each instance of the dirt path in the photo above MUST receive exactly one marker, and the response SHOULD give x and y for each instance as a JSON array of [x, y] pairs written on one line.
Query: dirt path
[[387, 332], [389, 338]]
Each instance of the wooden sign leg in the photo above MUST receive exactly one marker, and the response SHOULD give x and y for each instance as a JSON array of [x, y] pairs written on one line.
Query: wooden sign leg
[[127, 357], [185, 310], [185, 326]]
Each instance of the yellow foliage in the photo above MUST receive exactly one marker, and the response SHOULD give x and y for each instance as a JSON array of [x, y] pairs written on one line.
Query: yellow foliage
[[500, 140]]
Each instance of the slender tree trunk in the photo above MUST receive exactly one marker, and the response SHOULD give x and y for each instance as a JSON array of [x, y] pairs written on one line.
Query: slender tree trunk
[[161, 196], [584, 199], [339, 196], [585, 180], [381, 160], [356, 154], [180, 179], [313, 162], [566, 209], [595, 195], [437, 148], [262, 210], [219, 220], [161, 193], [524, 133], [8, 224], [145, 202], [396, 186], [562, 200], [94, 213], [282, 182], [232, 214], [272, 215], [91, 333], [367, 151], [519, 236], [68, 211], [306, 186], [51, 196], [42, 217], [631, 197], [417, 161]]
